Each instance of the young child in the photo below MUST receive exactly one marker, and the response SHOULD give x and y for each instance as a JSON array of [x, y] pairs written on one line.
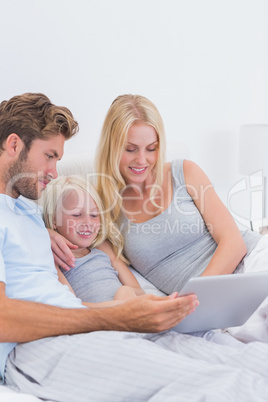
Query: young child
[[74, 209]]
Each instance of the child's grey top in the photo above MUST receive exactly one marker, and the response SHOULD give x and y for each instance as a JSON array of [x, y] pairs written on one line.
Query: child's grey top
[[93, 279]]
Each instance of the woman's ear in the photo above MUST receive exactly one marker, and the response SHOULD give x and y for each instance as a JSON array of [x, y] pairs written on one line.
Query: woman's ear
[[14, 144], [54, 226]]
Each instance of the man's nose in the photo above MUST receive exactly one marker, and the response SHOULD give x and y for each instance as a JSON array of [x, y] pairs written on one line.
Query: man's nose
[[53, 172]]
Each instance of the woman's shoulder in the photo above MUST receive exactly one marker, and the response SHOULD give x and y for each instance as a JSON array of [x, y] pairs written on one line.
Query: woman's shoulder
[[183, 171], [193, 173], [184, 166], [175, 169], [189, 165], [176, 164]]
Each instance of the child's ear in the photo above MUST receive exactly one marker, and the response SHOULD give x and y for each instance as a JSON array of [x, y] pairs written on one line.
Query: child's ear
[[54, 226]]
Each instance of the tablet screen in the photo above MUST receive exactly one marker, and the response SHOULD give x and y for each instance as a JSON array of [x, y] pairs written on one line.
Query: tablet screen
[[225, 300]]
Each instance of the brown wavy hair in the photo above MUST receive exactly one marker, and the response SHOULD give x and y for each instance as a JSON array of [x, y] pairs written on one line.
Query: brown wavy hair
[[32, 116]]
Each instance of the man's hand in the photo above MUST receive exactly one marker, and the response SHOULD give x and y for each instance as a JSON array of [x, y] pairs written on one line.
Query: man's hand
[[23, 321], [61, 249], [151, 313]]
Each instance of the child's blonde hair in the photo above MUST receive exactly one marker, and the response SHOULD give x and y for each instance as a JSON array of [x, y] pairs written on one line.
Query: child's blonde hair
[[54, 195]]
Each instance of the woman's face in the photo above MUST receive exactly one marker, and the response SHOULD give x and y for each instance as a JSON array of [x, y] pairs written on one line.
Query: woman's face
[[140, 154], [78, 220]]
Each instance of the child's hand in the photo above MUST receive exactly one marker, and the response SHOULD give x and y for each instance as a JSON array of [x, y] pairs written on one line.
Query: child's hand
[[128, 292], [61, 249]]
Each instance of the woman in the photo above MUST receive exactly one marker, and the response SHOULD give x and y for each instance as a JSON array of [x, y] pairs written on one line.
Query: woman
[[173, 223]]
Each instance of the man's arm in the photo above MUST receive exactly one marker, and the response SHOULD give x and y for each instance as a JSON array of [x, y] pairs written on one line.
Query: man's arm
[[23, 321]]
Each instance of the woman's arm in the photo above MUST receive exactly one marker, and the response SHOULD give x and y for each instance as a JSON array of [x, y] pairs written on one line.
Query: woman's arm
[[130, 284], [222, 227]]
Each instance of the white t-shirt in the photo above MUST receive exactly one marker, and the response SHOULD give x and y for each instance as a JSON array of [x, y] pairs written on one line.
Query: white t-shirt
[[26, 261]]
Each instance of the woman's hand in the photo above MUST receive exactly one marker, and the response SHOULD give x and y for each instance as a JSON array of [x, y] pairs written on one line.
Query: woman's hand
[[61, 248]]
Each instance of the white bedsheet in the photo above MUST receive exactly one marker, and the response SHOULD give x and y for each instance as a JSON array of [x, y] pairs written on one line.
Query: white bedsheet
[[221, 369], [257, 366], [7, 395]]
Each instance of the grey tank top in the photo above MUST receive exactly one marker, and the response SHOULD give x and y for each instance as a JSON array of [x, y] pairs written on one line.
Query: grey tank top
[[93, 279], [176, 245]]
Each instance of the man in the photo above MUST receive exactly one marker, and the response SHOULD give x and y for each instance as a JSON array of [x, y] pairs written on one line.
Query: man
[[34, 304]]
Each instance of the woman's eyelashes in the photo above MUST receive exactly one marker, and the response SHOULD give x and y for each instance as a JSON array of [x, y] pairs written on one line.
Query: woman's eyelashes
[[136, 149]]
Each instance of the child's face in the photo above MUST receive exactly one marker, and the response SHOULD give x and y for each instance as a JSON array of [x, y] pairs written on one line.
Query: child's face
[[78, 220]]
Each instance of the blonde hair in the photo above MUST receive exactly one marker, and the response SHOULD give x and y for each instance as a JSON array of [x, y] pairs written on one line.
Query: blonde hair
[[125, 111], [59, 188]]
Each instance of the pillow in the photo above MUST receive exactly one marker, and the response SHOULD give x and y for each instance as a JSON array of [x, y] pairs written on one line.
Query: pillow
[[147, 286]]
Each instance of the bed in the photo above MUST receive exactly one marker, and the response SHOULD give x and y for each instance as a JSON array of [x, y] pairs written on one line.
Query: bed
[[83, 164]]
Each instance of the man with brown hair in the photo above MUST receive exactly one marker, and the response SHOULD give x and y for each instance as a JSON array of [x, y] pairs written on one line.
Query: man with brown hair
[[34, 305], [26, 122]]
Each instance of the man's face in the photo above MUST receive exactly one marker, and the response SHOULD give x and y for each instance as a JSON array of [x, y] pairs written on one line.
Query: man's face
[[32, 171]]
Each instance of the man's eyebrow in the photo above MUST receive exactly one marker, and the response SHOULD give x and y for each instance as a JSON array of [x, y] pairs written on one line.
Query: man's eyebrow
[[55, 154]]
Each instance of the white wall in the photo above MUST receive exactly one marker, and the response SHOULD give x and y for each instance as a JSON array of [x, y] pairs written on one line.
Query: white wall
[[204, 63]]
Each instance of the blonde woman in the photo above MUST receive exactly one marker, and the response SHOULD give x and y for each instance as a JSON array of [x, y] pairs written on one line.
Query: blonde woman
[[173, 223], [73, 208]]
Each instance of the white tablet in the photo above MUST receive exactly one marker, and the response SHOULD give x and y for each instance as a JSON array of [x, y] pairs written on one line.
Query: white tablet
[[225, 300]]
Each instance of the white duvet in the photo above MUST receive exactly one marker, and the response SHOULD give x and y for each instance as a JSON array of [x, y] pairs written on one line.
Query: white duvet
[[7, 395], [253, 362]]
